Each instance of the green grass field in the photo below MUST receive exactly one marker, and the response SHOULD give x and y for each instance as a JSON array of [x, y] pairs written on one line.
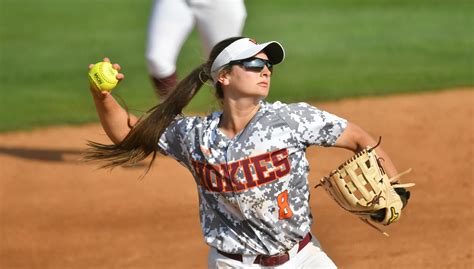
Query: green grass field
[[335, 49]]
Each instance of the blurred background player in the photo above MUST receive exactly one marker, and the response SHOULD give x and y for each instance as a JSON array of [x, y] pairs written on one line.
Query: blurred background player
[[171, 23]]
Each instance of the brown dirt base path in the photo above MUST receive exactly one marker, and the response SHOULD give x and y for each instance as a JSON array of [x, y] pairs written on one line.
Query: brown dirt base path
[[56, 212]]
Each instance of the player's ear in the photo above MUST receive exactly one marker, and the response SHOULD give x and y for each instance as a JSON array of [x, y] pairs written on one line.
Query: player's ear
[[224, 77]]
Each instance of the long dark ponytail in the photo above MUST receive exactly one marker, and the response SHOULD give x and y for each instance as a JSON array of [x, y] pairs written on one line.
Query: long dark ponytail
[[143, 138]]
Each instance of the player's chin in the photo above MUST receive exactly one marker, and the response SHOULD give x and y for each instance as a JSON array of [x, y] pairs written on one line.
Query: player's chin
[[262, 95], [263, 91]]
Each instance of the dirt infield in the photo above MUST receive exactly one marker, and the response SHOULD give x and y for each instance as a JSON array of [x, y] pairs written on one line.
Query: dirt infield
[[56, 212]]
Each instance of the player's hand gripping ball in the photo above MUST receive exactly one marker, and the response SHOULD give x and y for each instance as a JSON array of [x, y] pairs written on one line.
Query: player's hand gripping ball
[[103, 77]]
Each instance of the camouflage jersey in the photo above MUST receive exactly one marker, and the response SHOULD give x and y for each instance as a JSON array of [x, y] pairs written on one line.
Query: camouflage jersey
[[253, 188]]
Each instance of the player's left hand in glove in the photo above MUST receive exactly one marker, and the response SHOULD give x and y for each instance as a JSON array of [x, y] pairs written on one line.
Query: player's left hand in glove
[[361, 187]]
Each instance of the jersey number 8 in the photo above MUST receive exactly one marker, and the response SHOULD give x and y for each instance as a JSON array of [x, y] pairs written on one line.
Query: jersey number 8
[[285, 210]]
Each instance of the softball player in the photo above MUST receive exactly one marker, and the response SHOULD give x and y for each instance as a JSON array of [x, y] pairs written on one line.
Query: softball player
[[248, 161], [170, 24]]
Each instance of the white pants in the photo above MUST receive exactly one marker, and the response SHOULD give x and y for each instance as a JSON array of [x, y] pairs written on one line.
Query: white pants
[[172, 21], [311, 257]]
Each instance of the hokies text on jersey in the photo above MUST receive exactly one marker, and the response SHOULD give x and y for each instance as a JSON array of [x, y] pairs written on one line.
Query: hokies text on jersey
[[256, 170]]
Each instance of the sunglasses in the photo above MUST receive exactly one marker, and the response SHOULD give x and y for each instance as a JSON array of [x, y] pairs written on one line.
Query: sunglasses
[[253, 64]]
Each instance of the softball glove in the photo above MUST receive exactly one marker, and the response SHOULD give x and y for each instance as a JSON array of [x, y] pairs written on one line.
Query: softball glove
[[361, 187]]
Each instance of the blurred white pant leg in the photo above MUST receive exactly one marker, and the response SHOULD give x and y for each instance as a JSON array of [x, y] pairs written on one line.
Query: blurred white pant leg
[[217, 20], [170, 24]]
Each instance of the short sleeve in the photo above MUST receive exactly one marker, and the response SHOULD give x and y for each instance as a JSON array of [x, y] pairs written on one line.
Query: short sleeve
[[313, 126], [175, 140]]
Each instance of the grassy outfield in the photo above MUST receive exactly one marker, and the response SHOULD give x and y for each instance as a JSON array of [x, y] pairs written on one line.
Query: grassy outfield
[[335, 49]]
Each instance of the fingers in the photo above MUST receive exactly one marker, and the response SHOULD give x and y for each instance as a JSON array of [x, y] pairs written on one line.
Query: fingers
[[117, 67]]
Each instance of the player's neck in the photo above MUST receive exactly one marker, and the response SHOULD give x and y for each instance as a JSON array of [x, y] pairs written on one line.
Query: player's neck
[[236, 116]]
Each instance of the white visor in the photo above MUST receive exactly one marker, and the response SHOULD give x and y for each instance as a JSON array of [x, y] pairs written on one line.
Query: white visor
[[245, 48]]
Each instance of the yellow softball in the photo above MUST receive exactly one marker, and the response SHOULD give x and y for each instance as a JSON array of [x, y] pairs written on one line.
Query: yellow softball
[[102, 76]]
